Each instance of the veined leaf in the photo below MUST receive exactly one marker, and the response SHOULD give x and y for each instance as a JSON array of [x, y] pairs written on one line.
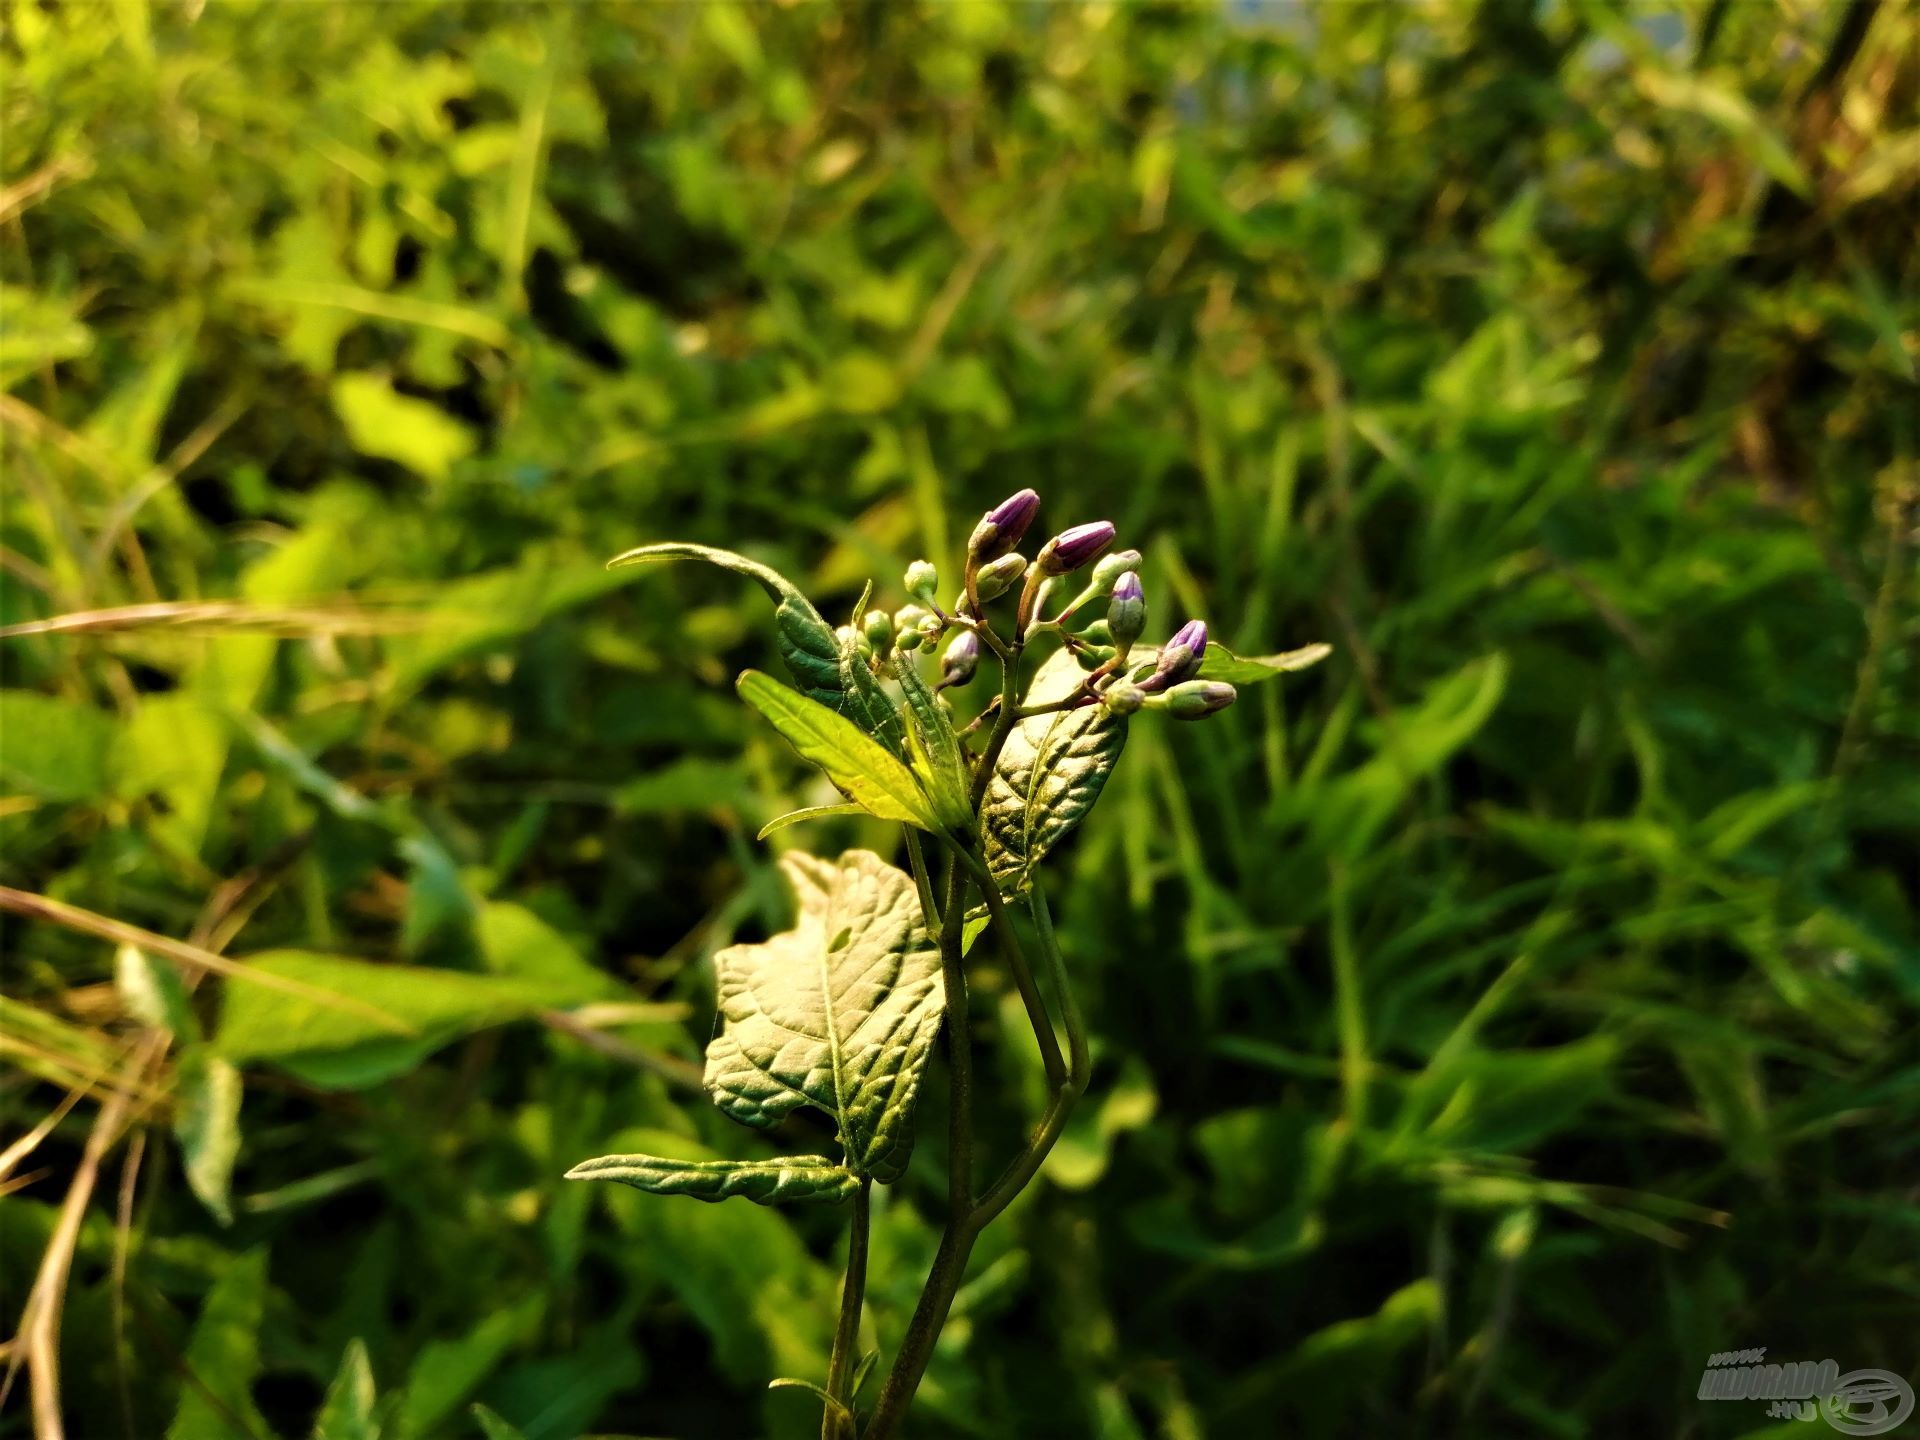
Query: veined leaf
[[826, 671], [810, 812], [858, 764], [1220, 663], [934, 747], [1048, 776], [839, 1012], [765, 1182]]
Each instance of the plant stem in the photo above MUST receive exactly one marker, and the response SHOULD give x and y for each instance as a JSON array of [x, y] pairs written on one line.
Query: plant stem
[[950, 1263], [837, 1424], [916, 858], [1023, 980]]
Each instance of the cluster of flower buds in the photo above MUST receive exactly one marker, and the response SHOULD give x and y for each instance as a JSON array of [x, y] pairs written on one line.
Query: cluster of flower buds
[[995, 567]]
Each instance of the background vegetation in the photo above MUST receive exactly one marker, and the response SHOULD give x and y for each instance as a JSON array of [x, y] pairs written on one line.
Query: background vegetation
[[1491, 1022]]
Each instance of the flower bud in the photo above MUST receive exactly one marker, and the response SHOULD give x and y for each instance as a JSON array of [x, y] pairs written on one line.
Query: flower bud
[[908, 640], [961, 660], [1193, 699], [1074, 547], [1107, 573], [1127, 610], [877, 626], [1122, 698], [1179, 658], [1000, 528], [1002, 575], [1098, 633], [908, 617], [847, 635], [922, 581], [932, 627]]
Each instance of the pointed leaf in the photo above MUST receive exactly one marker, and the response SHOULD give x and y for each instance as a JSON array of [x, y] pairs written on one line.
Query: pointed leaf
[[839, 1012], [826, 671], [810, 812], [348, 1411], [1048, 776], [856, 763], [765, 1182], [1220, 663], [934, 747]]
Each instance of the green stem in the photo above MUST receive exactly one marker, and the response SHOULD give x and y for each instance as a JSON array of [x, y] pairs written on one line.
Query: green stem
[[837, 1424], [1073, 1085], [956, 1243], [916, 858], [1023, 980]]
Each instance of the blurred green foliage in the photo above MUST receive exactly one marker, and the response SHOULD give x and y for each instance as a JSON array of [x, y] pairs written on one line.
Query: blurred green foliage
[[1490, 1023]]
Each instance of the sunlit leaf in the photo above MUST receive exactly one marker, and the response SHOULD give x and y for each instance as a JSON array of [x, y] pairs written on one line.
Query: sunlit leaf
[[839, 1013], [856, 763], [765, 1182]]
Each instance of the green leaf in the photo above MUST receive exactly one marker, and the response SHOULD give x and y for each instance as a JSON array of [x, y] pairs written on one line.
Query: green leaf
[[856, 763], [494, 1428], [56, 749], [446, 1372], [346, 1048], [347, 1412], [381, 421], [826, 671], [224, 1355], [206, 1122], [1049, 775], [765, 1182], [153, 992], [1220, 663], [839, 1012], [934, 747], [810, 812]]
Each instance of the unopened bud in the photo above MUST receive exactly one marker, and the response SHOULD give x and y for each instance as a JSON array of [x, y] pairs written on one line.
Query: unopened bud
[[1000, 528], [932, 626], [908, 640], [1107, 573], [961, 660], [1127, 610], [1122, 698], [847, 635], [908, 617], [1179, 658], [1074, 547], [877, 626], [1098, 633], [1194, 698], [1002, 575], [922, 581]]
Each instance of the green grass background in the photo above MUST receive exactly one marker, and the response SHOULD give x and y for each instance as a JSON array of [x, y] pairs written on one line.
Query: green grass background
[[1490, 1023]]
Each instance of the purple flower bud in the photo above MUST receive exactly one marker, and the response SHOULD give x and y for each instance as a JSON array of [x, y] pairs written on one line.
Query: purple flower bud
[[1127, 610], [1107, 573], [1179, 658], [1072, 548], [1000, 528], [961, 660], [1196, 698]]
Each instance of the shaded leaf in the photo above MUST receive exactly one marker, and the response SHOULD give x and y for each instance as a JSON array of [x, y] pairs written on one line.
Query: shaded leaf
[[223, 1356], [825, 670], [347, 1412]]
